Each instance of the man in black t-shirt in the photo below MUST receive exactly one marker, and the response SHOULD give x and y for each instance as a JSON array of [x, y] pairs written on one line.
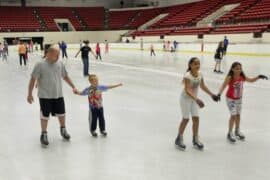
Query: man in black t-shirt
[[85, 57]]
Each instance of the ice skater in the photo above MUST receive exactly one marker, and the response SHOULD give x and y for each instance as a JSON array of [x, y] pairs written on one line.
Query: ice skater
[[141, 44], [175, 45], [49, 74], [235, 81], [4, 54], [190, 103], [106, 47], [1, 49], [63, 47], [22, 53], [85, 57], [96, 111], [226, 44], [152, 50], [31, 46], [98, 52], [218, 57], [6, 46]]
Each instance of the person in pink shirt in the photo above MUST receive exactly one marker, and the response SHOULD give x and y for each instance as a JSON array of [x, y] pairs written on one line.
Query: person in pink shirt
[[98, 52], [106, 47]]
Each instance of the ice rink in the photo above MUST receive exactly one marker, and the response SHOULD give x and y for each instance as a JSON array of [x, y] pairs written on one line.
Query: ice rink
[[142, 119]]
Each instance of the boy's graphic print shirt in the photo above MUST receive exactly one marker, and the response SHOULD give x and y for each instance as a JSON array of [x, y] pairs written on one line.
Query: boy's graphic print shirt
[[95, 95]]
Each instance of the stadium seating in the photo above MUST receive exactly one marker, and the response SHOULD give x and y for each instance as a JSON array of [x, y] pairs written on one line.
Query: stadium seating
[[248, 17], [15, 19], [48, 14], [93, 17]]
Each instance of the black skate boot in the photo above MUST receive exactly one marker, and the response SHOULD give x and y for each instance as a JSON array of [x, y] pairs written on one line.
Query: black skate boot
[[44, 139], [197, 144], [239, 135], [179, 142], [104, 133], [94, 134], [64, 133], [231, 138]]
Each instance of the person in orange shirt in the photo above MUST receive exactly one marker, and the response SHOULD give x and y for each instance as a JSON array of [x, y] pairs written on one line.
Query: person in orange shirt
[[22, 53]]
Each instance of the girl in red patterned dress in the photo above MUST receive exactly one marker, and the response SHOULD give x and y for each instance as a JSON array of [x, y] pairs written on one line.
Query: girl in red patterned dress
[[235, 80]]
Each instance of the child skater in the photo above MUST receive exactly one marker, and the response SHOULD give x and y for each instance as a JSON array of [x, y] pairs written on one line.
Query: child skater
[[235, 80], [106, 47], [190, 102], [152, 50], [98, 52], [219, 56], [5, 54], [94, 93]]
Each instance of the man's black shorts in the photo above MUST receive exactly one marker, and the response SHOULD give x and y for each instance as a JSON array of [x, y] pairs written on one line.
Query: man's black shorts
[[55, 107]]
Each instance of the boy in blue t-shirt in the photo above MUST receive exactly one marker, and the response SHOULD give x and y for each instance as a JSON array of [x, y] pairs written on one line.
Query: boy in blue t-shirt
[[94, 93]]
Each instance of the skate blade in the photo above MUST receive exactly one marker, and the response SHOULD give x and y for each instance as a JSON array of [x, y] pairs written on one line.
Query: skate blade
[[180, 148], [198, 148], [240, 139], [231, 142], [44, 146]]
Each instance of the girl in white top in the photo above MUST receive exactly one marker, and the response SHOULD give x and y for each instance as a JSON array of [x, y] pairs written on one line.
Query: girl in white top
[[190, 102]]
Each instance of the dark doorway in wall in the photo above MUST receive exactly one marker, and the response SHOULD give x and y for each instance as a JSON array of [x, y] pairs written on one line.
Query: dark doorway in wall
[[23, 3], [63, 26]]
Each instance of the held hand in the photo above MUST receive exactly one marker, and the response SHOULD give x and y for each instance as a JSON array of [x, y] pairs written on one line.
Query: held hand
[[261, 76], [30, 99], [75, 91], [216, 98], [120, 84], [200, 103]]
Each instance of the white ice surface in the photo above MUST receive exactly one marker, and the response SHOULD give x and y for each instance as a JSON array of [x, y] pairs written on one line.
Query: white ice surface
[[142, 119]]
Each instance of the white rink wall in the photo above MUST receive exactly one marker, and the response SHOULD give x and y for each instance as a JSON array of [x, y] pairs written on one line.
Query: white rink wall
[[115, 36], [196, 47], [234, 38], [237, 49], [70, 37]]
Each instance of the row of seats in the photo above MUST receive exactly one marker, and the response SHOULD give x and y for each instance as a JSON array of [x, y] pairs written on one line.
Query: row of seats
[[119, 19], [179, 16], [224, 29], [247, 11], [93, 17], [24, 19], [48, 14], [18, 19], [228, 29], [143, 16]]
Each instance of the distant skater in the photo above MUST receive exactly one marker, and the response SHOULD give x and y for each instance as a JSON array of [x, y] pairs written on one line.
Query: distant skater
[[84, 50], [98, 52], [63, 47], [218, 57], [152, 50], [22, 53], [106, 47], [226, 44]]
